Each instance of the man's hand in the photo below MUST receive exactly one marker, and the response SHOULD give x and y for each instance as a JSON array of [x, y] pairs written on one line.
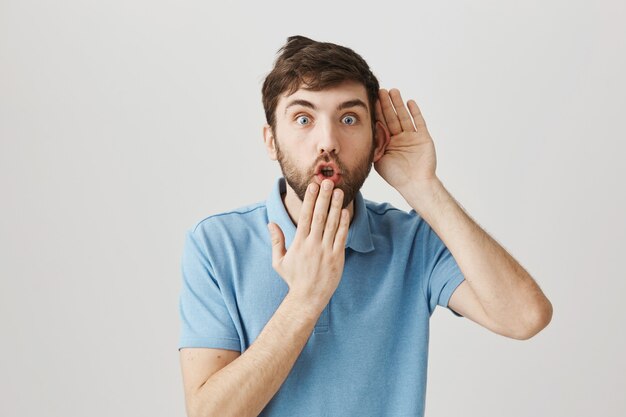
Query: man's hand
[[498, 292], [410, 156], [313, 265]]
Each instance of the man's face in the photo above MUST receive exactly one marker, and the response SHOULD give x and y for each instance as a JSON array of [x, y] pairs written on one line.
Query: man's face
[[325, 134]]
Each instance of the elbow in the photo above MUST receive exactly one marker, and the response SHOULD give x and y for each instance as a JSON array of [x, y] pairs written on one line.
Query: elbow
[[192, 408], [195, 408], [197, 412], [537, 319]]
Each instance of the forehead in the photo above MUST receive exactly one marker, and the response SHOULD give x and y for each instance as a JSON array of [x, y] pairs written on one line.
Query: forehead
[[327, 98]]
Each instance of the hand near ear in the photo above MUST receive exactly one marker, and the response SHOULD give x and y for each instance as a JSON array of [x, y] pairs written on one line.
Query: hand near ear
[[409, 157]]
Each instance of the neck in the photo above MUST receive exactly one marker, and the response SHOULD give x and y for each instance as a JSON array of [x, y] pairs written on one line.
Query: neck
[[293, 205]]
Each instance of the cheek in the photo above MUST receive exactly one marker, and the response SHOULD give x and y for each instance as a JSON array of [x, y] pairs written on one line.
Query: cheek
[[360, 143], [293, 156], [297, 146]]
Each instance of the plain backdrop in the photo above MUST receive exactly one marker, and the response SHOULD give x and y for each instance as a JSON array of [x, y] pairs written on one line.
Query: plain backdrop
[[124, 122]]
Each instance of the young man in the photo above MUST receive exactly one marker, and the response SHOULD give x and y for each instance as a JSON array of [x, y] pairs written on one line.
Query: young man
[[328, 313]]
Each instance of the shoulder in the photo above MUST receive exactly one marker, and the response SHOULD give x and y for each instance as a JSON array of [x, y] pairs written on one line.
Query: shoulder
[[387, 213], [381, 208], [384, 216], [231, 220]]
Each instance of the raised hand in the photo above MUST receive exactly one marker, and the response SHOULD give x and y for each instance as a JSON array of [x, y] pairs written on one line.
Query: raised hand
[[410, 156], [313, 265]]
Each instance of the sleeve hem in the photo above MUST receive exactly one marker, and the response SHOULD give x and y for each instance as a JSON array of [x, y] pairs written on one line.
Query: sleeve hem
[[447, 291], [210, 342]]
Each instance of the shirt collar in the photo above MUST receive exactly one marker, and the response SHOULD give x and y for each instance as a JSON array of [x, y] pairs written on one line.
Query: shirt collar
[[359, 234]]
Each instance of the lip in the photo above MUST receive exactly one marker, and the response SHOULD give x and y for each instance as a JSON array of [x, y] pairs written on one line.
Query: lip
[[318, 168], [335, 178]]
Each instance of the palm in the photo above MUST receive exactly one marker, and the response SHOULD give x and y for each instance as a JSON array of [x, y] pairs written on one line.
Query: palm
[[410, 154]]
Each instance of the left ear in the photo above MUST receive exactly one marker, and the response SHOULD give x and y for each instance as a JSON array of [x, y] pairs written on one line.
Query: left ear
[[382, 138]]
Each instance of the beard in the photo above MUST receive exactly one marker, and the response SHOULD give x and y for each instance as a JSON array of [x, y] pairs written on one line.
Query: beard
[[351, 180]]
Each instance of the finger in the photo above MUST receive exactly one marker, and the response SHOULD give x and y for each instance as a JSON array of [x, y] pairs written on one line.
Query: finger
[[391, 118], [342, 231], [306, 211], [420, 123], [403, 115], [320, 213], [334, 215], [278, 244]]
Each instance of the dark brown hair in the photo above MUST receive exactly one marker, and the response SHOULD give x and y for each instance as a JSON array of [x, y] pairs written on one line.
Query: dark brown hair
[[317, 65]]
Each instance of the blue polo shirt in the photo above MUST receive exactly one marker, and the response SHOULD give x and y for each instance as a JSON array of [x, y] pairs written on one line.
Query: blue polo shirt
[[367, 355]]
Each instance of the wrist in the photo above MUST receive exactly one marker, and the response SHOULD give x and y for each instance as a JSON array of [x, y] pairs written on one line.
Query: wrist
[[420, 193], [304, 307]]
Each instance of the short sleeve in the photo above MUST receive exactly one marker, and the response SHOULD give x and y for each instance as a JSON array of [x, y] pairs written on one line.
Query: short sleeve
[[444, 274], [204, 318]]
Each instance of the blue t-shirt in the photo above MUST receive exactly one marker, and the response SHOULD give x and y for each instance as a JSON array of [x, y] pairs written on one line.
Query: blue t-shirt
[[367, 355]]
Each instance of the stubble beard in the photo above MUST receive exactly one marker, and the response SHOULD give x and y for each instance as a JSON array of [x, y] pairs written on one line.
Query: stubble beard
[[351, 181]]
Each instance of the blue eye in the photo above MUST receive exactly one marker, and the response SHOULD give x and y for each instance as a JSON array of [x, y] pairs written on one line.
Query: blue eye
[[303, 120], [349, 120]]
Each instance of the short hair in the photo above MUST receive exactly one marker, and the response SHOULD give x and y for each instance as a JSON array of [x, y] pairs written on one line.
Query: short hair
[[317, 65]]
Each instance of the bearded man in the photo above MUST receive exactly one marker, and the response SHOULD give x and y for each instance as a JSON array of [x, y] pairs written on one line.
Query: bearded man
[[327, 314]]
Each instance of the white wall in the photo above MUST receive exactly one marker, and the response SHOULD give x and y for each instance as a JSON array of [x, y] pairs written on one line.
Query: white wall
[[123, 122]]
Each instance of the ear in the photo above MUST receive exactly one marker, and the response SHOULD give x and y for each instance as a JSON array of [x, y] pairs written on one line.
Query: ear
[[382, 138], [270, 142]]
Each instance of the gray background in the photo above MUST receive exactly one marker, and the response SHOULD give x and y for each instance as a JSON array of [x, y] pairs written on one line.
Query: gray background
[[124, 122]]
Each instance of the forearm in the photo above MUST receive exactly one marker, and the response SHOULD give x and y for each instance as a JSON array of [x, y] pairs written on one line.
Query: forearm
[[508, 294], [245, 386]]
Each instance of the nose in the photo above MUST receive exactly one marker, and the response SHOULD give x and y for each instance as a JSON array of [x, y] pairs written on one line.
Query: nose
[[328, 140]]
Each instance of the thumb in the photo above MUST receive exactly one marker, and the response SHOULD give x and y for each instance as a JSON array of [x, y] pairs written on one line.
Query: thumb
[[278, 243]]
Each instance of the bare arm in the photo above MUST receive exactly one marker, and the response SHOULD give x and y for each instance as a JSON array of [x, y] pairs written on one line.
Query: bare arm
[[312, 268], [245, 386], [498, 293]]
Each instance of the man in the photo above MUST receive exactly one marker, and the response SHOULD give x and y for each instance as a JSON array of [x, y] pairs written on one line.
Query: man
[[328, 313]]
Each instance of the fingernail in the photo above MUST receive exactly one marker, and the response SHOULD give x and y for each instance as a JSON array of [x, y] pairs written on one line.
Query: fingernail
[[336, 194], [327, 184], [313, 187]]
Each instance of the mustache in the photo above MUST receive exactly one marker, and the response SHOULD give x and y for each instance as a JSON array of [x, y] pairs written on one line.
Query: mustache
[[326, 157]]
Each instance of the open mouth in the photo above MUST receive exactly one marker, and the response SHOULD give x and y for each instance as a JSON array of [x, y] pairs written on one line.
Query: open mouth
[[327, 171]]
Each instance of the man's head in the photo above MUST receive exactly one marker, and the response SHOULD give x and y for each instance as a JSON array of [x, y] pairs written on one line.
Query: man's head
[[316, 66], [319, 102]]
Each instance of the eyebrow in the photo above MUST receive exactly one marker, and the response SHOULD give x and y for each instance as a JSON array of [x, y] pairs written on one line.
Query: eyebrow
[[345, 105]]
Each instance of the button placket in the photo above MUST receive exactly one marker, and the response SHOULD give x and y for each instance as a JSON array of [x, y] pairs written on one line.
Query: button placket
[[323, 322]]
